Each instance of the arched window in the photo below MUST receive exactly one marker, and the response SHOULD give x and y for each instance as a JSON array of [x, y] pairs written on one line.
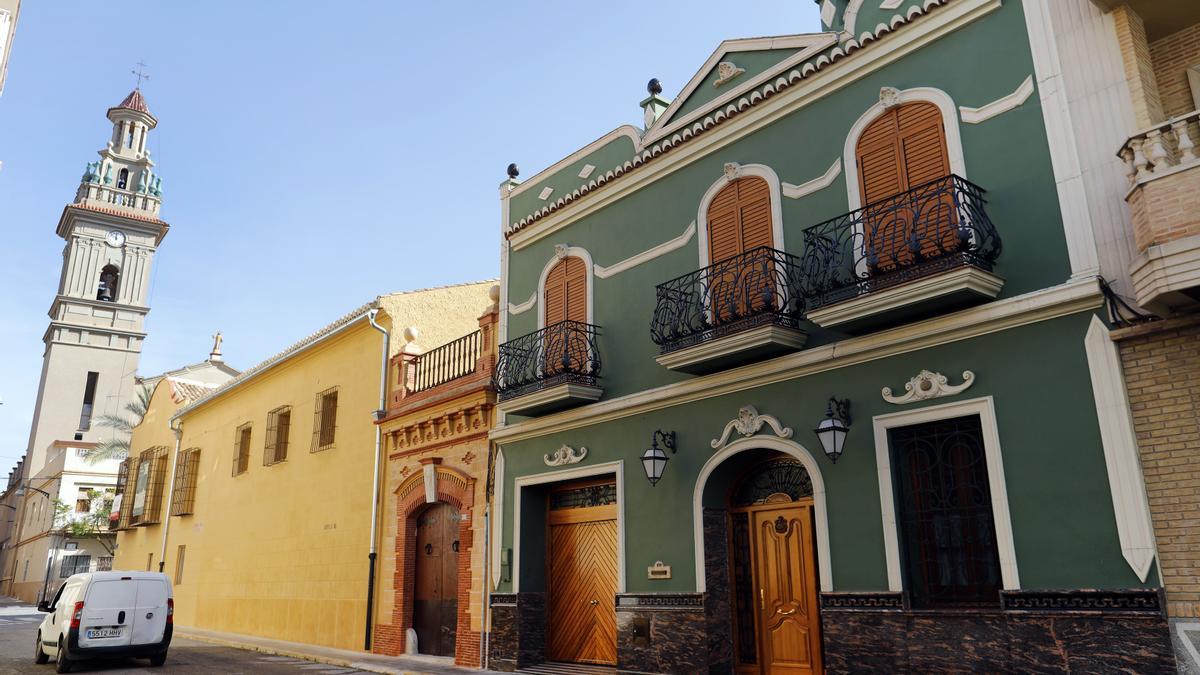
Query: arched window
[[903, 149], [129, 137], [739, 221], [110, 277], [565, 311], [123, 178]]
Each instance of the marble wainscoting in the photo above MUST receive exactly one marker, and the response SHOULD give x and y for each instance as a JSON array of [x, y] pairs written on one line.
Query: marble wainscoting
[[716, 601], [518, 637], [661, 633], [1072, 631]]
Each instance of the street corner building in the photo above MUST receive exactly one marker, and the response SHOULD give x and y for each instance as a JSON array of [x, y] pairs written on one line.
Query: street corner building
[[818, 370], [256, 495], [432, 589]]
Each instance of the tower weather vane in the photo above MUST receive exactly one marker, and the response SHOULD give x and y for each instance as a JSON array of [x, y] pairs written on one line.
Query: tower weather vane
[[140, 75]]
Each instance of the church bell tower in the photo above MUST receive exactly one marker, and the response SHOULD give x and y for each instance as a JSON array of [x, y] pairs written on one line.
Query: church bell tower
[[112, 230]]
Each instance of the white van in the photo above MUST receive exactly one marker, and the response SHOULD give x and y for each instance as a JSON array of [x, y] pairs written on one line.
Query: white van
[[107, 615]]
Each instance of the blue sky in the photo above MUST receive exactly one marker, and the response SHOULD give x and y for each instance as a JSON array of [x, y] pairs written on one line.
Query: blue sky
[[313, 160]]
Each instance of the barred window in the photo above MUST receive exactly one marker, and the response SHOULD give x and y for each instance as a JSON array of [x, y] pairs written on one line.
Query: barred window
[[279, 427], [74, 564], [325, 420], [123, 504], [183, 494], [149, 481], [104, 563], [241, 449]]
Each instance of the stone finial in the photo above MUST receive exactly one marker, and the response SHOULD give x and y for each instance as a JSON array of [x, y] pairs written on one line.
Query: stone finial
[[494, 293], [513, 171], [215, 354], [654, 105]]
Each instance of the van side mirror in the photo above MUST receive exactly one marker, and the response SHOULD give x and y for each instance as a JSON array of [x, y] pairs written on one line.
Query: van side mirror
[[44, 606]]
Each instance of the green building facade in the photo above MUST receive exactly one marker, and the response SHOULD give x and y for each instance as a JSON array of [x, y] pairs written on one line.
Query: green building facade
[[900, 272]]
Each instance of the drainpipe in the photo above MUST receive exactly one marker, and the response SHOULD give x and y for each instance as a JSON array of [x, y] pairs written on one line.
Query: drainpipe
[[487, 559], [176, 425], [383, 377]]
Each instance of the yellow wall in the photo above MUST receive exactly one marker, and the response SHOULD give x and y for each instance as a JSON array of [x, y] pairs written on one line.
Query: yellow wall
[[279, 551]]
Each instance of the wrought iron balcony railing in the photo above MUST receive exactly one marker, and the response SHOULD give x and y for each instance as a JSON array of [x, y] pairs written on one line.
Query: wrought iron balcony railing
[[446, 363], [759, 287], [932, 228], [563, 353]]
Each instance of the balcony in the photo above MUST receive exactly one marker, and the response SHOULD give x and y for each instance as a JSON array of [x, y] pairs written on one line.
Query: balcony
[[912, 255], [741, 309], [1164, 203], [551, 369]]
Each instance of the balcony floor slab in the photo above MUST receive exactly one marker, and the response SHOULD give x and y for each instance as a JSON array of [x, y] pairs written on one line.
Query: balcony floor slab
[[910, 301], [737, 349], [551, 399]]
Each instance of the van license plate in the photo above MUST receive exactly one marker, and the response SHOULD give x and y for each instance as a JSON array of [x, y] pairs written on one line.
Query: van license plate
[[94, 633]]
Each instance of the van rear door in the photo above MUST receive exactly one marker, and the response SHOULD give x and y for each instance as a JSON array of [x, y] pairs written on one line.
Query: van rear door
[[107, 613], [150, 619]]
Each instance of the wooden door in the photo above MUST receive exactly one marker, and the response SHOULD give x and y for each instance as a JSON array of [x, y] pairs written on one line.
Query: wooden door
[[902, 149], [739, 220], [789, 623], [581, 569], [566, 300], [435, 602]]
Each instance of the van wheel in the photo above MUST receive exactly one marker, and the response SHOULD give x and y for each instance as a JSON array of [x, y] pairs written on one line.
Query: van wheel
[[39, 654], [158, 659], [62, 664]]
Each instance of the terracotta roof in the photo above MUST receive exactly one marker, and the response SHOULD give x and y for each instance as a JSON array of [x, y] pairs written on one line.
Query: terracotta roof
[[135, 101], [752, 99], [123, 213], [186, 391]]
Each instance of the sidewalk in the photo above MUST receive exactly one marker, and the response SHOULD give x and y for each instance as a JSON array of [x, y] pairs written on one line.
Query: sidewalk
[[345, 658]]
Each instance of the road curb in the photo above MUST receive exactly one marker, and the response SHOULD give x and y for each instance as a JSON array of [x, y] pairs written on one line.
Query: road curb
[[296, 654]]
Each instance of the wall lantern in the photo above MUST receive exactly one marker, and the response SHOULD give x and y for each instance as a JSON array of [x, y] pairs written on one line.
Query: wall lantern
[[833, 429], [654, 460]]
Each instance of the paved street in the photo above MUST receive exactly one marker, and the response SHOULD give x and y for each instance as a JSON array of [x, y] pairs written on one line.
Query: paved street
[[18, 626]]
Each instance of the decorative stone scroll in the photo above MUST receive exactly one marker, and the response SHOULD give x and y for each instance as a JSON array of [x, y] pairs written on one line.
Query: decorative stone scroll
[[748, 423], [565, 455], [726, 71], [927, 385]]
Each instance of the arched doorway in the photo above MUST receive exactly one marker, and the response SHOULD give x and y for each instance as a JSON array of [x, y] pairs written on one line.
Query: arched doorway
[[761, 564], [435, 592]]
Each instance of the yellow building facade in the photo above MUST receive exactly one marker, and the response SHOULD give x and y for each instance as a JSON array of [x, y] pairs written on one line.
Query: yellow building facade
[[263, 503]]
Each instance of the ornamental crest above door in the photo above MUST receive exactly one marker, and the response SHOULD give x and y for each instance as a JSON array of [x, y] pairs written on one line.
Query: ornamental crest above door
[[749, 422]]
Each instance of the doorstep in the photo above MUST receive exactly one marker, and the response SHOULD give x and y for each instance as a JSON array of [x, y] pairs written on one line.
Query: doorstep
[[345, 658]]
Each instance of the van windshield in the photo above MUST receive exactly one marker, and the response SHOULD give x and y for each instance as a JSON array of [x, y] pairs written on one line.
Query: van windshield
[[111, 594]]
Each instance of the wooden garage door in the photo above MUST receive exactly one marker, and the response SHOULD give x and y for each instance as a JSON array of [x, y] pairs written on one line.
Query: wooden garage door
[[739, 220], [581, 570], [901, 150]]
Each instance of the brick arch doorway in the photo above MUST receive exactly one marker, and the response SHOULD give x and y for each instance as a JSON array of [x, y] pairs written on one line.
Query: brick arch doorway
[[452, 493]]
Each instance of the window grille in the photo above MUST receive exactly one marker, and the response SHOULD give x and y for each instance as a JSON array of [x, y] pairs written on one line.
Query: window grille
[[584, 497], [279, 427], [241, 449], [74, 564], [183, 495], [125, 492], [325, 420], [148, 497], [104, 563], [944, 510]]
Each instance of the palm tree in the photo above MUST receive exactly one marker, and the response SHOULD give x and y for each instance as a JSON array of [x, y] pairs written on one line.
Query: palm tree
[[117, 447]]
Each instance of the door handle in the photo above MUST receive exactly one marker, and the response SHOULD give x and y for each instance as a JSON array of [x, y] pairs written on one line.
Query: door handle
[[121, 617], [762, 600], [790, 611]]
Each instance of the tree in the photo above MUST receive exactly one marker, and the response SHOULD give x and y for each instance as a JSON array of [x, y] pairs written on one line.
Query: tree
[[117, 447], [92, 523]]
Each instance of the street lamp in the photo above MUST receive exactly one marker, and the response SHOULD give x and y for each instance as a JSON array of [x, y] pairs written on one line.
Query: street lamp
[[654, 460], [833, 429], [22, 488]]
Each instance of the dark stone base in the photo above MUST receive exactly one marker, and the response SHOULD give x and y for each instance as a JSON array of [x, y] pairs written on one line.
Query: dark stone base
[[1061, 632], [661, 633], [518, 637]]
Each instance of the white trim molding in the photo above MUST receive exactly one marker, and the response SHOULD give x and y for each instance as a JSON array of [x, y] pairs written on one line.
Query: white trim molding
[[985, 410], [892, 97], [497, 517], [1134, 526], [999, 106], [524, 306], [616, 468], [850, 17], [1060, 135], [664, 248], [561, 252], [819, 183], [820, 514], [890, 4], [734, 171]]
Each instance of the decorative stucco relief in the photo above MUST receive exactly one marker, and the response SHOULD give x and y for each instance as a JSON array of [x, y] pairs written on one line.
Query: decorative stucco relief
[[927, 385], [749, 422], [565, 455]]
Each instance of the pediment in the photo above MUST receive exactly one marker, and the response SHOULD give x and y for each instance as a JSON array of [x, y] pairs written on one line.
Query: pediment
[[733, 69]]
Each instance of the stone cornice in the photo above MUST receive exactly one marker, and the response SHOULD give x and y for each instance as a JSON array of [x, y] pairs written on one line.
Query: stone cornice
[[422, 430]]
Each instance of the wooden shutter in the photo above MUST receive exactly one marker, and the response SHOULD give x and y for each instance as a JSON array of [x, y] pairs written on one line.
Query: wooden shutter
[[566, 291], [739, 219], [902, 149]]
